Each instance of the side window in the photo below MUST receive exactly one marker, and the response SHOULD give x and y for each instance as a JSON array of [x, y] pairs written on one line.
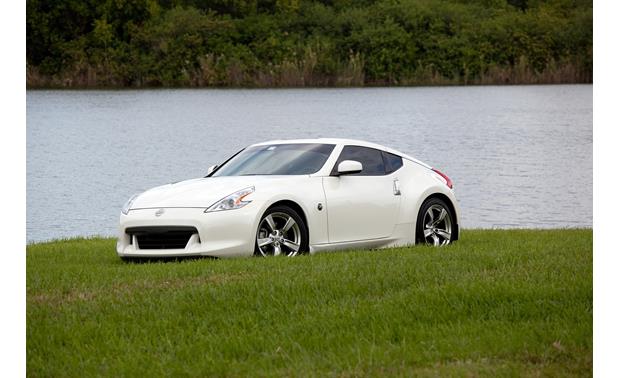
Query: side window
[[392, 162], [371, 159]]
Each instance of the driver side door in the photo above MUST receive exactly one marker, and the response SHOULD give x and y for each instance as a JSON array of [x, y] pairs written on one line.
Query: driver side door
[[363, 205]]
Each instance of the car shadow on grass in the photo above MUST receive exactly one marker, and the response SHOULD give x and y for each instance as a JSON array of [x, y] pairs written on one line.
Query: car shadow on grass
[[150, 260]]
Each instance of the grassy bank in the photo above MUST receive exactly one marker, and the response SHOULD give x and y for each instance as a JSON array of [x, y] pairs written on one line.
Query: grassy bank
[[496, 303]]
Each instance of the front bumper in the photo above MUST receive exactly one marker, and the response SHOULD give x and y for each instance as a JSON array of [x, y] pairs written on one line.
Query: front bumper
[[220, 234]]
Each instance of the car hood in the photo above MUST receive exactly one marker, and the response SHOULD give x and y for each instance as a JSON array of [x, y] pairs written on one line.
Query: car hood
[[201, 192]]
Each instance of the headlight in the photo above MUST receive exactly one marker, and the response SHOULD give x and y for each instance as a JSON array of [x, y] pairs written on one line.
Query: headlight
[[233, 201], [127, 205]]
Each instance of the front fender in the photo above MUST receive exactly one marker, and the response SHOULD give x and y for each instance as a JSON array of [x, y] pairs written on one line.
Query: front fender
[[307, 195]]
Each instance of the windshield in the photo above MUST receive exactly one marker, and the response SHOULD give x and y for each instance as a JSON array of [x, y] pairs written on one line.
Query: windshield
[[277, 159]]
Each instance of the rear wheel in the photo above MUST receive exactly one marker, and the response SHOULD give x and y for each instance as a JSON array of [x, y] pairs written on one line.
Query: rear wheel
[[436, 225], [281, 231]]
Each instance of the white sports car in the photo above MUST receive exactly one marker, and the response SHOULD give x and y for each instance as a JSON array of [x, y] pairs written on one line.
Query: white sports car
[[288, 197]]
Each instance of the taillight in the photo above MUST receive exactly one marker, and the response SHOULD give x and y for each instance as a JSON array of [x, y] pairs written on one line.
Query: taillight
[[448, 181]]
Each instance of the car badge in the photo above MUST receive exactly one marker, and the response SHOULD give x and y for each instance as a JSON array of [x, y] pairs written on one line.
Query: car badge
[[159, 212]]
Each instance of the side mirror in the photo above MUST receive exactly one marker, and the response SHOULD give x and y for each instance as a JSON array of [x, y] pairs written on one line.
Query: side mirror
[[349, 167], [211, 169]]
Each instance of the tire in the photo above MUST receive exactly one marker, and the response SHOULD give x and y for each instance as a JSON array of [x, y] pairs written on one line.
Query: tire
[[436, 224], [281, 231]]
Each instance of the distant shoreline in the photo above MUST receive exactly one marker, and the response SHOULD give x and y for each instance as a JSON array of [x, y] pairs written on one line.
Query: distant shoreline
[[51, 84]]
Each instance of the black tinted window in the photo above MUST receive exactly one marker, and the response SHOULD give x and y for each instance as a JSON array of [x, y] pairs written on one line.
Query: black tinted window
[[371, 159], [392, 162]]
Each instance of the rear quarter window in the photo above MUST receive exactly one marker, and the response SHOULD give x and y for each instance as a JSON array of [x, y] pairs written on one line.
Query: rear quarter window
[[392, 162]]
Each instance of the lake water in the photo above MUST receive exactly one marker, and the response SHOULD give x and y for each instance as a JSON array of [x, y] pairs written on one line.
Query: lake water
[[520, 156]]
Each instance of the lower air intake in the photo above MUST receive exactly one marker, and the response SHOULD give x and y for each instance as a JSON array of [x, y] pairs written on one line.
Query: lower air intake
[[162, 237]]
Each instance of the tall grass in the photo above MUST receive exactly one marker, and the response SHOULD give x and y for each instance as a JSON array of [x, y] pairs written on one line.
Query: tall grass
[[305, 72], [497, 303]]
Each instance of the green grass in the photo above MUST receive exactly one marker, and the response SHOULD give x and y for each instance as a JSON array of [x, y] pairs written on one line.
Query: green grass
[[499, 302]]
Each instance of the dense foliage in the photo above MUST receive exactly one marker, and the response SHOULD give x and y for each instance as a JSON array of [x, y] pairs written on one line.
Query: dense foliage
[[138, 43]]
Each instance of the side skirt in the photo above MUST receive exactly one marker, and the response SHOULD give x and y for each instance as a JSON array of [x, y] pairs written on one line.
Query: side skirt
[[404, 234]]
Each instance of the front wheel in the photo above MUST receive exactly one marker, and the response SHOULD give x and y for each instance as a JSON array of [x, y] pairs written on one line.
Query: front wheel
[[436, 225], [281, 231]]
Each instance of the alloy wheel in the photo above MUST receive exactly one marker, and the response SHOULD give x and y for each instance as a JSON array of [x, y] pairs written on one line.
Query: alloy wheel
[[278, 234], [437, 226]]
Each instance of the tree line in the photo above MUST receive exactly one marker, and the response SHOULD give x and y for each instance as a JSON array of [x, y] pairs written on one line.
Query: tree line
[[271, 43]]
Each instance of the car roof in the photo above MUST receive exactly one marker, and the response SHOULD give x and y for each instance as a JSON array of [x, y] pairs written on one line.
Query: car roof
[[342, 141]]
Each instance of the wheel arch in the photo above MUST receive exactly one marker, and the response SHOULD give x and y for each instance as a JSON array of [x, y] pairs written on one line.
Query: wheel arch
[[450, 204], [295, 206]]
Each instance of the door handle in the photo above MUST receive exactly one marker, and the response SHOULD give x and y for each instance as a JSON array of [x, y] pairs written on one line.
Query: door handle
[[396, 187]]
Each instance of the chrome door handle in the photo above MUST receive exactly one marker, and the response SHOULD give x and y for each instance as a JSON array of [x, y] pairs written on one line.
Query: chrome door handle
[[396, 187]]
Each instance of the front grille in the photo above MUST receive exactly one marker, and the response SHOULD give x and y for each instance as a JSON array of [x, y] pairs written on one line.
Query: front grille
[[162, 237]]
